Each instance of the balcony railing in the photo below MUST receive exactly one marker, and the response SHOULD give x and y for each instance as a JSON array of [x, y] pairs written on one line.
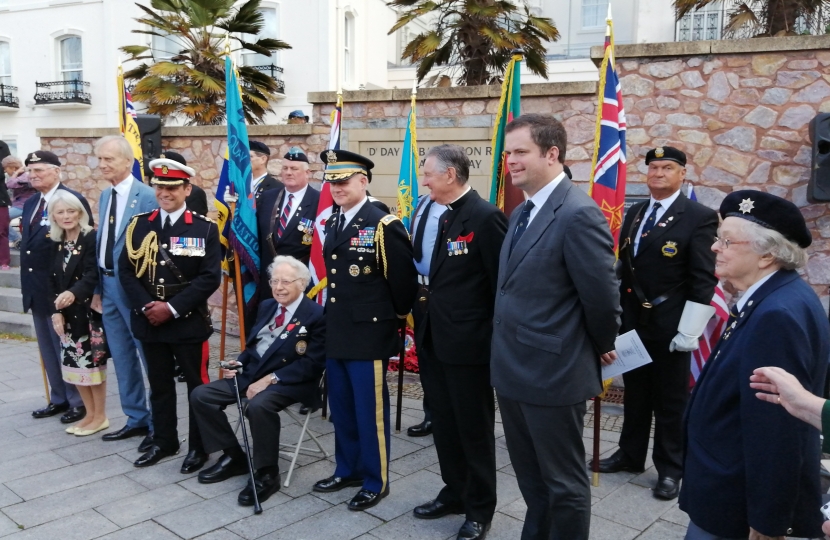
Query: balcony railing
[[7, 97], [62, 92], [275, 72], [710, 23]]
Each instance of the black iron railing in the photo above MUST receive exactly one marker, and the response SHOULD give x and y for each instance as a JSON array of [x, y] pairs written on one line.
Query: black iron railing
[[711, 21], [275, 72], [62, 92], [7, 97]]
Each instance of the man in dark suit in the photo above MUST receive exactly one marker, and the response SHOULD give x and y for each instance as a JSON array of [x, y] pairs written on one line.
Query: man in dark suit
[[283, 362], [453, 342], [557, 313], [261, 181], [36, 256], [371, 286], [169, 267], [667, 265]]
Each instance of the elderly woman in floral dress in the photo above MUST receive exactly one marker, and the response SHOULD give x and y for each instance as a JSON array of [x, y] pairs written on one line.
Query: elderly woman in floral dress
[[72, 282]]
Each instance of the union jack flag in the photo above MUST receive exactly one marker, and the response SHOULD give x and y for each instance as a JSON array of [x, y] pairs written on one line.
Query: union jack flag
[[608, 166]]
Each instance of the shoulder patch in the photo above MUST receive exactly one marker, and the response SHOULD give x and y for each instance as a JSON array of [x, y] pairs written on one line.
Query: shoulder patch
[[389, 218]]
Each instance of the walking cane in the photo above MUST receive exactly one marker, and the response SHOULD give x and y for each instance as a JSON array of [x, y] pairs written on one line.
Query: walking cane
[[400, 376], [238, 369]]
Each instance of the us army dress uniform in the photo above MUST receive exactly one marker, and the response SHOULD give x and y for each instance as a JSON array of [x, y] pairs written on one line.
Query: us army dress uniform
[[372, 283], [179, 265]]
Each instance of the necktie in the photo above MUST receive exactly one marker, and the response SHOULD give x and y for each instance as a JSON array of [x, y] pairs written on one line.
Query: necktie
[[167, 224], [652, 218], [522, 226], [39, 212], [279, 320], [110, 247], [419, 232], [285, 217]]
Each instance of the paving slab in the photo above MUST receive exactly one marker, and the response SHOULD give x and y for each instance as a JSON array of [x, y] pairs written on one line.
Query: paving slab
[[46, 483], [663, 530], [278, 517], [407, 527], [200, 518], [603, 529], [632, 506], [143, 506], [147, 530], [82, 526], [335, 523]]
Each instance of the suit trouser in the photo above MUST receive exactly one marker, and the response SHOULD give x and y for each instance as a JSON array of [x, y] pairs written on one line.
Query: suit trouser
[[161, 362], [127, 355], [696, 533], [207, 403], [49, 343], [359, 399], [548, 456], [661, 388], [463, 429]]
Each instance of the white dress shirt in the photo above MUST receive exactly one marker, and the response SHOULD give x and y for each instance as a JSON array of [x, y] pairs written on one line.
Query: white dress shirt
[[122, 191], [350, 214], [430, 233], [664, 206], [542, 196], [298, 196], [255, 182]]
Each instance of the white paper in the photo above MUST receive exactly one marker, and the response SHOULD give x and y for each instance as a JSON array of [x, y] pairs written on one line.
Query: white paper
[[631, 354]]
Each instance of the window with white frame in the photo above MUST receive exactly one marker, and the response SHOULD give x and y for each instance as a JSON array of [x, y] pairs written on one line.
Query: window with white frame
[[348, 48], [165, 47], [704, 23], [594, 13], [270, 30], [71, 60], [5, 63]]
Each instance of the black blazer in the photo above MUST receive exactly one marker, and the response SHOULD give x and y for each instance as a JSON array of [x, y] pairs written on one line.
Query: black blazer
[[362, 305], [291, 243], [80, 276], [298, 359], [462, 288], [37, 254], [197, 200], [203, 273], [676, 254], [268, 183]]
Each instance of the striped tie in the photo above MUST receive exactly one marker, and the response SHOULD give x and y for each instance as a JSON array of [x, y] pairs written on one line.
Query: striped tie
[[285, 217]]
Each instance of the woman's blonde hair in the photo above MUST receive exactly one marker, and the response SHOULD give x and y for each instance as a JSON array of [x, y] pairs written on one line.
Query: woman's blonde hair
[[71, 201]]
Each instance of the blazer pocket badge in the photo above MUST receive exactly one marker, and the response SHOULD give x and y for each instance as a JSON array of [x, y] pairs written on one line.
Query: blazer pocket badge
[[187, 247], [670, 249], [301, 347]]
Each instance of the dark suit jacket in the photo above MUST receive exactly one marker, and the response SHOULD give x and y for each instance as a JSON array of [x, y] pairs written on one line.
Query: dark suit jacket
[[80, 277], [291, 243], [203, 274], [462, 288], [676, 253], [197, 200], [37, 254], [362, 304], [299, 372], [268, 183], [748, 462], [557, 304]]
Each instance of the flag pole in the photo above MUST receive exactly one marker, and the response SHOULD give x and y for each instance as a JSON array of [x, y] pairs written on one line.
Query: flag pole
[[237, 280], [45, 381], [225, 280]]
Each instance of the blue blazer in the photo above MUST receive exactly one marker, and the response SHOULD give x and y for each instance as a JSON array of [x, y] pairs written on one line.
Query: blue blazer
[[298, 359], [142, 199], [37, 252], [748, 462]]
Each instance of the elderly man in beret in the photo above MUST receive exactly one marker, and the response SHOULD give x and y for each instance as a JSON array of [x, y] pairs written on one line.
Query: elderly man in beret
[[36, 256], [752, 470], [261, 181], [668, 281]]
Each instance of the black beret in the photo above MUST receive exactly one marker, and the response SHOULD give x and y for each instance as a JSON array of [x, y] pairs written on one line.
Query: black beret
[[257, 146], [43, 156], [175, 156], [668, 153], [342, 165], [295, 153], [768, 211]]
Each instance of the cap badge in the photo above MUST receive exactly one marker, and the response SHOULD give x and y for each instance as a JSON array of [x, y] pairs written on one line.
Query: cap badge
[[746, 206], [34, 157], [164, 169], [331, 157], [659, 152], [161, 156]]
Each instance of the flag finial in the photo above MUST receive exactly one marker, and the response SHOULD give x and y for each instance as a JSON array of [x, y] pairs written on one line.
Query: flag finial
[[228, 43]]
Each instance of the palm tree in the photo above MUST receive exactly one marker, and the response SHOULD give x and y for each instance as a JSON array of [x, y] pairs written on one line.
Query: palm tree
[[474, 39], [762, 17], [191, 83]]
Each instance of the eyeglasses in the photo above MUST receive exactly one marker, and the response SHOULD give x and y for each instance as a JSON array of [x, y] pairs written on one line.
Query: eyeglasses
[[726, 242], [283, 282]]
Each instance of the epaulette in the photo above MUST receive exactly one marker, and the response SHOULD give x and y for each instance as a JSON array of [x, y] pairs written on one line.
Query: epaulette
[[387, 219], [203, 217], [142, 214]]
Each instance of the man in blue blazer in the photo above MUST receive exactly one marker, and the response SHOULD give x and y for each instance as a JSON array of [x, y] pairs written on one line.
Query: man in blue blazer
[[282, 364], [36, 256], [116, 207]]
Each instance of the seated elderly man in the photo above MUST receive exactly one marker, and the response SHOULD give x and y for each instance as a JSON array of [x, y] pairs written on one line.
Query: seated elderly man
[[282, 364]]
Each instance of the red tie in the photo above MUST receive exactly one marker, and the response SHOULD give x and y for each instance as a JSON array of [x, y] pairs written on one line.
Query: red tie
[[279, 320]]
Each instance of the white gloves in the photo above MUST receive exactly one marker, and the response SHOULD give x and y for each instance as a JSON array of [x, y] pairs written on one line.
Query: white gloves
[[683, 342], [692, 323]]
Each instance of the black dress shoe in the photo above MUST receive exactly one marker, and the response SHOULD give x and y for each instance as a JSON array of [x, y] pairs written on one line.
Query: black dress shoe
[[146, 442], [335, 483], [153, 456], [50, 410], [436, 509], [366, 499], [666, 488], [194, 461], [420, 430], [223, 469], [618, 462], [303, 410], [266, 485], [125, 433], [473, 530], [73, 415], [181, 377]]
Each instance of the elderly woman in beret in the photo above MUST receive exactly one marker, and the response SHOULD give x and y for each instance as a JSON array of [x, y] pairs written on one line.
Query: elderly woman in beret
[[752, 471]]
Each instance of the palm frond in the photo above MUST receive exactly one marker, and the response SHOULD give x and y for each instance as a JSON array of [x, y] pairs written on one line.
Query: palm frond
[[739, 18]]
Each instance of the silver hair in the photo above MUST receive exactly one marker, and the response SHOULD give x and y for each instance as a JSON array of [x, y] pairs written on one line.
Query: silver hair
[[11, 160], [452, 155], [302, 270], [124, 148], [70, 200], [787, 254]]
